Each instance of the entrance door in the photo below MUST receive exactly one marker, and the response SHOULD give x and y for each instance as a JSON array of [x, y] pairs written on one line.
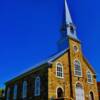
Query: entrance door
[[60, 94], [79, 92], [91, 96]]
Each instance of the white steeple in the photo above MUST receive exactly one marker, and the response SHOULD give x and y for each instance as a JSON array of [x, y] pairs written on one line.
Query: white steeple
[[67, 14], [70, 28]]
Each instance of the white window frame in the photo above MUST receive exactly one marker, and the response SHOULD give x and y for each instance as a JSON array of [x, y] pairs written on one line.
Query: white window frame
[[24, 89], [37, 88], [59, 71], [77, 70], [15, 92], [8, 94], [89, 73]]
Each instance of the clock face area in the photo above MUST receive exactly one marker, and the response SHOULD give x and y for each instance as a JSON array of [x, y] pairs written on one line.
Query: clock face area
[[76, 49]]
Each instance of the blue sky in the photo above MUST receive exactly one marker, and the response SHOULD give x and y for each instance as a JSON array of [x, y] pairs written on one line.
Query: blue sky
[[30, 30]]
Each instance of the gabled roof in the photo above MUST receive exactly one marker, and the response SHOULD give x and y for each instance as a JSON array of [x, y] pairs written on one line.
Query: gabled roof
[[52, 58], [38, 66], [45, 63], [89, 65]]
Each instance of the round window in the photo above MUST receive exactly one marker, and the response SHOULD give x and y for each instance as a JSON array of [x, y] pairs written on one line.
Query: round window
[[75, 48]]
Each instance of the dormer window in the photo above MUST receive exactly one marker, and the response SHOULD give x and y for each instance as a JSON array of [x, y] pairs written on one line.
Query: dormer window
[[59, 70], [89, 77], [77, 68]]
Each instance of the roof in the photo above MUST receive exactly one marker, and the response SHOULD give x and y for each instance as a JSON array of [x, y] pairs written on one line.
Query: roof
[[89, 65], [38, 66], [45, 63]]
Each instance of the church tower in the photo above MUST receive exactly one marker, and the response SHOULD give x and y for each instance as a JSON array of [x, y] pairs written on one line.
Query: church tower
[[75, 53], [69, 26], [68, 29]]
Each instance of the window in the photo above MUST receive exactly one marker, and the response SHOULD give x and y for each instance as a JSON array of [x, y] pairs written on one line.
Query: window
[[75, 48], [8, 94], [15, 92], [59, 70], [24, 93], [89, 77], [77, 68], [37, 86]]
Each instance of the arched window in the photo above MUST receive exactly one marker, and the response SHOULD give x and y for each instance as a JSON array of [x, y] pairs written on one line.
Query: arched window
[[59, 70], [37, 86], [91, 97], [24, 93], [15, 93], [77, 68], [8, 94], [89, 77]]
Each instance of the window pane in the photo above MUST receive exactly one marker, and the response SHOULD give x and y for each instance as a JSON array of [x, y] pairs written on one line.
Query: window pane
[[24, 89], [77, 68], [59, 70], [37, 86], [89, 77], [15, 92]]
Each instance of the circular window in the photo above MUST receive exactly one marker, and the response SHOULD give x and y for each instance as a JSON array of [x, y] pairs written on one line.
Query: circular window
[[75, 48]]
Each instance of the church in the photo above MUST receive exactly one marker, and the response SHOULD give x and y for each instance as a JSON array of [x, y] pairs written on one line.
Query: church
[[66, 75]]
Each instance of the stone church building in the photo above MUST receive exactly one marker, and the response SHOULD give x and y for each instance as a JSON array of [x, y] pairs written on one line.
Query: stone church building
[[66, 75]]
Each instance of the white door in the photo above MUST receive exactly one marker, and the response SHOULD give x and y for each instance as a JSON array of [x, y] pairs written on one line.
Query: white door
[[79, 93]]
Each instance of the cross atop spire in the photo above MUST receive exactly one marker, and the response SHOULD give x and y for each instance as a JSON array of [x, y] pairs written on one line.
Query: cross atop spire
[[70, 28]]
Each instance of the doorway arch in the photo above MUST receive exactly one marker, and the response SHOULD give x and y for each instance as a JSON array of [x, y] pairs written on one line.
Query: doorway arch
[[91, 96], [60, 93], [79, 92]]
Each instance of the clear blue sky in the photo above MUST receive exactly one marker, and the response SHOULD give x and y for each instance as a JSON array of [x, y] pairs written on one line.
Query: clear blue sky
[[30, 30]]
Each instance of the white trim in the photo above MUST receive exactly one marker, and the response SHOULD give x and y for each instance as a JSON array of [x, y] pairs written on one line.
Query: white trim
[[79, 83], [80, 68], [57, 89], [62, 70]]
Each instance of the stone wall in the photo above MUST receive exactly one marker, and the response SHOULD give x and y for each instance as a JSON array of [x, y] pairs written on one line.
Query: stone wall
[[43, 73]]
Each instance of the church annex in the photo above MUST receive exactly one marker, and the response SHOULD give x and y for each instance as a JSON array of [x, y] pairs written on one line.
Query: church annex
[[65, 76]]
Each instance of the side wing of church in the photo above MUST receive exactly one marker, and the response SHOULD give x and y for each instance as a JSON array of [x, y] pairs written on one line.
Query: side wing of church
[[64, 76]]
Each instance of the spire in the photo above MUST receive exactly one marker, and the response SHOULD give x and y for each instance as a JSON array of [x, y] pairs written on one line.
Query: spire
[[67, 14], [70, 28]]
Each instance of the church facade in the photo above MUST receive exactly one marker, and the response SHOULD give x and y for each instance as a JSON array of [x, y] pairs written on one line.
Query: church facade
[[65, 76]]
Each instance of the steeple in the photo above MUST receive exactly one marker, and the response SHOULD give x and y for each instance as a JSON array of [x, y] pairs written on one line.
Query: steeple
[[69, 27]]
